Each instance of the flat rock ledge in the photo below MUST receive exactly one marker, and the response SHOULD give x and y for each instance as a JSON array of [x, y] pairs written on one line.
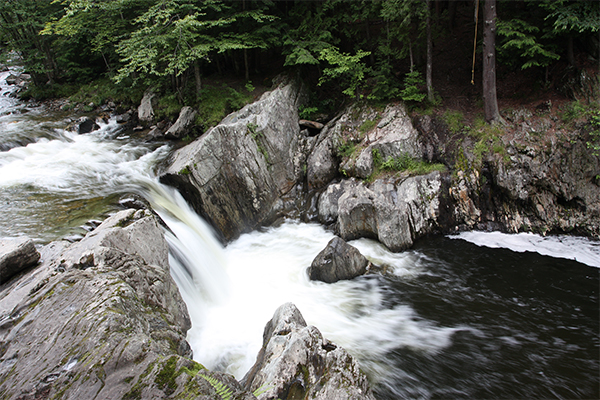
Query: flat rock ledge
[[337, 261], [296, 362], [102, 319]]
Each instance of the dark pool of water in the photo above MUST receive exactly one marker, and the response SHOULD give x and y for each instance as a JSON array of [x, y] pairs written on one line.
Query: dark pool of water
[[531, 326]]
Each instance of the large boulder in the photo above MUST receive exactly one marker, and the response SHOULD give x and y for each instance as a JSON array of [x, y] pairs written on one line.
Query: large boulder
[[102, 319], [183, 125], [394, 211], [337, 261], [296, 362], [145, 109], [83, 125], [388, 133], [16, 255], [236, 173]]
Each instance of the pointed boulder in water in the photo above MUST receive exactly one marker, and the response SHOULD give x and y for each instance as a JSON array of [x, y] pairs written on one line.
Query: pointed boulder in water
[[338, 261]]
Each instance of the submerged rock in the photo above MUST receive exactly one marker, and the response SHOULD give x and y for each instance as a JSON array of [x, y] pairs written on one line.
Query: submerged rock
[[338, 261], [16, 255], [84, 125], [296, 362]]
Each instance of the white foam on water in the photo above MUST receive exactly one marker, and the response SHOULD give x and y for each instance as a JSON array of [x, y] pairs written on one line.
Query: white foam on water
[[267, 269], [77, 162], [583, 250]]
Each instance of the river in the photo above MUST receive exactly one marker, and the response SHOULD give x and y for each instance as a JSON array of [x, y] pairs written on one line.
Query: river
[[476, 315]]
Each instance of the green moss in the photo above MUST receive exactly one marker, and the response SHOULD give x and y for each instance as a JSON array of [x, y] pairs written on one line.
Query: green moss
[[135, 393], [218, 101], [252, 129], [347, 149], [367, 126], [404, 163], [185, 170], [455, 120], [165, 379]]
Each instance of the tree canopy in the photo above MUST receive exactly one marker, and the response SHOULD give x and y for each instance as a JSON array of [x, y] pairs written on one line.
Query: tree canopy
[[365, 48]]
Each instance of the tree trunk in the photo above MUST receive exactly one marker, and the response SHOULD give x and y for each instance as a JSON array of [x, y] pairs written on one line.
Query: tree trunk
[[451, 13], [198, 79], [410, 53], [490, 101], [428, 73], [246, 66], [571, 51]]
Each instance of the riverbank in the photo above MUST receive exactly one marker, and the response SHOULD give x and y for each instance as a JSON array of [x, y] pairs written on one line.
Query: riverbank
[[296, 173]]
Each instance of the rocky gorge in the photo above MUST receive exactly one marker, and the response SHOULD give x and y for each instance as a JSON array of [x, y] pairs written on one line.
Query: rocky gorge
[[102, 317], [258, 166]]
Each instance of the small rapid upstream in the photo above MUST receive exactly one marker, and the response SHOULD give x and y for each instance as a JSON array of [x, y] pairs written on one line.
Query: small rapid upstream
[[471, 316]]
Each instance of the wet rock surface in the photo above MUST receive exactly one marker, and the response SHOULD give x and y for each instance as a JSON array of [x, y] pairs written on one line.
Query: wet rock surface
[[296, 362], [16, 254], [101, 318], [337, 261]]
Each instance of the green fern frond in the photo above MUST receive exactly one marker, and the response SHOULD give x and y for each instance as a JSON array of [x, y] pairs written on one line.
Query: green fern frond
[[264, 388], [222, 390]]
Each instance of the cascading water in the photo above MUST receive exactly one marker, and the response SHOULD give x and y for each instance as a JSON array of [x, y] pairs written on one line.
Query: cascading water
[[450, 319]]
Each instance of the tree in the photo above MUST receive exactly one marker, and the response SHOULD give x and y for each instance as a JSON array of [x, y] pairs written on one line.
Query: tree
[[572, 18], [490, 101], [429, 68], [174, 35], [21, 21], [101, 24]]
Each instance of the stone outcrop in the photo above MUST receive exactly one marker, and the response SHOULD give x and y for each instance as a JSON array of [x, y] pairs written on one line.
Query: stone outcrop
[[84, 125], [183, 125], [103, 319], [236, 174], [541, 178], [337, 261], [16, 255], [145, 109], [394, 211], [296, 362]]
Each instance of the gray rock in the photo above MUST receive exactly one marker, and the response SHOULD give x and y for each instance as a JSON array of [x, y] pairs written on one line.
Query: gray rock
[[124, 118], [393, 136], [15, 256], [322, 165], [12, 79], [296, 362], [183, 125], [338, 261], [145, 109], [394, 211], [84, 125], [235, 174], [110, 325]]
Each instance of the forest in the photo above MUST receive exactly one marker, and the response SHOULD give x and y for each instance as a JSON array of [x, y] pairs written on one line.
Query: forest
[[420, 51]]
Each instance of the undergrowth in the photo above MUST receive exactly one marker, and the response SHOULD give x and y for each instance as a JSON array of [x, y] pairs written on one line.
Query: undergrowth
[[404, 163]]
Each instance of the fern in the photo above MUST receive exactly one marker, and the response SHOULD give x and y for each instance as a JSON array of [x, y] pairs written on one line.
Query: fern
[[263, 389], [222, 390]]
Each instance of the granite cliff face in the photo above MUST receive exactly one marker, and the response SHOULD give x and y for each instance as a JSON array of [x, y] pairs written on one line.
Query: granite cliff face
[[257, 166]]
